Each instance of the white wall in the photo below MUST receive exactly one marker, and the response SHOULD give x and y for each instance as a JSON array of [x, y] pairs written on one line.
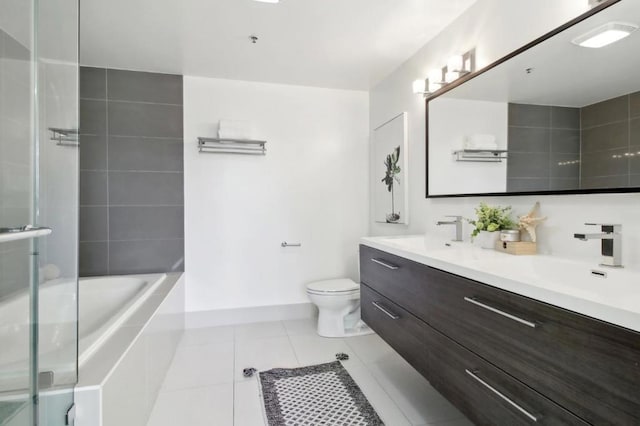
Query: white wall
[[448, 176], [496, 27], [311, 187]]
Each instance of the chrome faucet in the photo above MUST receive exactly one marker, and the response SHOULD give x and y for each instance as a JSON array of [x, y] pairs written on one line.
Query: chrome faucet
[[611, 246], [457, 222]]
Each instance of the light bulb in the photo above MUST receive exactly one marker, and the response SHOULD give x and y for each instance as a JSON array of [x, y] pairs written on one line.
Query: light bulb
[[435, 76], [455, 63], [419, 86]]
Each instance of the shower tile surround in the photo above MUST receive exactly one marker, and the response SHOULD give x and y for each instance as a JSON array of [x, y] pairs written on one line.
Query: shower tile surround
[[543, 143], [610, 132], [131, 172]]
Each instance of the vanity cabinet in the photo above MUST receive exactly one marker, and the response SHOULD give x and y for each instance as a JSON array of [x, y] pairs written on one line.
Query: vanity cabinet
[[559, 366]]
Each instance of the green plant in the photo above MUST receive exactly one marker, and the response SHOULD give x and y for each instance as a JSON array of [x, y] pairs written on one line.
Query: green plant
[[391, 163], [491, 219]]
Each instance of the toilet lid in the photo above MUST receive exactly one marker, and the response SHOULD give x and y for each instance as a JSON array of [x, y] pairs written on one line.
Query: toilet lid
[[333, 286]]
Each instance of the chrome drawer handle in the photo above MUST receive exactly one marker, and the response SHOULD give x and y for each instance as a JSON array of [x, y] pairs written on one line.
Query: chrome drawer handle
[[385, 264], [501, 395], [386, 311], [499, 312]]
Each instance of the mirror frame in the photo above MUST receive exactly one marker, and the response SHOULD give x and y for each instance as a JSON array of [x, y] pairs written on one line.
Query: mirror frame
[[470, 76]]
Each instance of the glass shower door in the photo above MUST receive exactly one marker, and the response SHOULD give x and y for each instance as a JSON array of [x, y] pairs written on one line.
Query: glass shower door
[[17, 173], [38, 185]]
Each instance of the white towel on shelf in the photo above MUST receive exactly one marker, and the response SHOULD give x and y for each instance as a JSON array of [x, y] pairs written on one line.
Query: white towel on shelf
[[480, 142], [234, 129]]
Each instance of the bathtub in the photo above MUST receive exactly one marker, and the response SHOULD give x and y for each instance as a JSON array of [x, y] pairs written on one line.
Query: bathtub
[[106, 303]]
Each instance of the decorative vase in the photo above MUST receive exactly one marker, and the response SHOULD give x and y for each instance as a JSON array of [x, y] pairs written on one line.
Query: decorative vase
[[393, 217], [488, 240]]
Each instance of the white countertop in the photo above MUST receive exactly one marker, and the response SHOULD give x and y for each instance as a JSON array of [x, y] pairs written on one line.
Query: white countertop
[[565, 283]]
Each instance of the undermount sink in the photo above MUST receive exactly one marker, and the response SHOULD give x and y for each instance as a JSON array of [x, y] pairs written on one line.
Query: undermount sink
[[440, 249], [571, 277]]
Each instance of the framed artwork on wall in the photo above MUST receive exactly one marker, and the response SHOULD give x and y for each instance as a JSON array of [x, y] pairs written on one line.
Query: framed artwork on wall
[[390, 189]]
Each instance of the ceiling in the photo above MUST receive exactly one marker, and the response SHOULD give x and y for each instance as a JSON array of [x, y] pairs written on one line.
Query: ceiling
[[345, 44]]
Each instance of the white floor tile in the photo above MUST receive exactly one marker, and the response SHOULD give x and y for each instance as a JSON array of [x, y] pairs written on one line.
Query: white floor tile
[[313, 349], [264, 354], [204, 384], [369, 348], [301, 326], [413, 394], [200, 365], [204, 406], [204, 336], [248, 409], [386, 408], [259, 330]]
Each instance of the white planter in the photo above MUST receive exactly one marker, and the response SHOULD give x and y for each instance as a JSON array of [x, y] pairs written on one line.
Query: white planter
[[488, 240]]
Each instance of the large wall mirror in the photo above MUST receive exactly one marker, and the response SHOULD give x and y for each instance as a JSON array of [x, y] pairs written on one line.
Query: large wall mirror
[[552, 118]]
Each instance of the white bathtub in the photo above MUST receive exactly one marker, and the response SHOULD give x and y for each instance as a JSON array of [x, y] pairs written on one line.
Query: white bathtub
[[105, 304]]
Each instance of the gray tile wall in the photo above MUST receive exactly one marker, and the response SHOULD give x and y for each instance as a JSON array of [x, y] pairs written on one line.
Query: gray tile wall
[[611, 143], [131, 172], [544, 148]]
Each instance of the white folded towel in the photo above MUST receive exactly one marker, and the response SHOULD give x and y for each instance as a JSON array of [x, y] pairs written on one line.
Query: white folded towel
[[480, 142], [234, 129]]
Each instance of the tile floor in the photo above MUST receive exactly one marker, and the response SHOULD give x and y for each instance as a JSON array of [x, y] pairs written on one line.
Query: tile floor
[[205, 386]]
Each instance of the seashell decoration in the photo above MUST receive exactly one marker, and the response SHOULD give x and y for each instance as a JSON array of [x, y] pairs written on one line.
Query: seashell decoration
[[530, 221]]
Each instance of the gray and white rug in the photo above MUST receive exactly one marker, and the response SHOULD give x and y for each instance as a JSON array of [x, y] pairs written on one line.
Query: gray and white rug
[[323, 394]]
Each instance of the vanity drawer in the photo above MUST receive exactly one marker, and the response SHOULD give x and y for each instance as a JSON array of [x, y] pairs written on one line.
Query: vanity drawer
[[587, 366], [401, 330], [484, 393], [397, 278]]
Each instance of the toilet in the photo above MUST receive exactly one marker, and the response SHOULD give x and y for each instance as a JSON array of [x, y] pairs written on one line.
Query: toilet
[[338, 303]]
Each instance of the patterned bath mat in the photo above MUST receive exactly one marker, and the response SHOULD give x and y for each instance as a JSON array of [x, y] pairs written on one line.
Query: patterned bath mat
[[323, 394]]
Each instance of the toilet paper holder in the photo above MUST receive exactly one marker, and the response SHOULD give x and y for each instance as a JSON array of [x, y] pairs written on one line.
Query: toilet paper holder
[[286, 244]]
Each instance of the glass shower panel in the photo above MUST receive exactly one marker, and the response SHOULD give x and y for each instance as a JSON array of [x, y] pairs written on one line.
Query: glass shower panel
[[16, 208], [38, 186], [57, 205]]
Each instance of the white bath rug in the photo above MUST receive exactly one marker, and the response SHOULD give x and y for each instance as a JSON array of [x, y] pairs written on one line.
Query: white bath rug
[[323, 394]]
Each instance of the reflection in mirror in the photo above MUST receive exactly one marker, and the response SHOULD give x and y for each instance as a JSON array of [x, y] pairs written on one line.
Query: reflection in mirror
[[556, 117]]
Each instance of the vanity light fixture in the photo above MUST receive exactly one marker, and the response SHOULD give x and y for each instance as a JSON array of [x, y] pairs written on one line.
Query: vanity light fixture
[[457, 66], [605, 35]]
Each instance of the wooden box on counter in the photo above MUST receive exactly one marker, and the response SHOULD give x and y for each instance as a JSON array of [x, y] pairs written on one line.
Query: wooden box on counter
[[517, 247]]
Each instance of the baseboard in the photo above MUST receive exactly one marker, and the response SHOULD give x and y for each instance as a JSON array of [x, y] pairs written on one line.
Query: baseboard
[[199, 319]]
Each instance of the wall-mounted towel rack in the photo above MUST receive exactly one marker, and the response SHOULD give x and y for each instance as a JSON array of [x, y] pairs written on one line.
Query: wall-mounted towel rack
[[480, 155], [64, 137], [232, 146]]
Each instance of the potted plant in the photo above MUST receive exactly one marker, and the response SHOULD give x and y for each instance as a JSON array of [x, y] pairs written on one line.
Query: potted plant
[[489, 221], [391, 163]]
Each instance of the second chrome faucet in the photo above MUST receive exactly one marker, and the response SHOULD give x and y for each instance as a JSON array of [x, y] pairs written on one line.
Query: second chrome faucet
[[457, 222], [611, 245]]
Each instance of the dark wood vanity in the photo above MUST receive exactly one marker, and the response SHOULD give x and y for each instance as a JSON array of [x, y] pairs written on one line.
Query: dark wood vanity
[[501, 358]]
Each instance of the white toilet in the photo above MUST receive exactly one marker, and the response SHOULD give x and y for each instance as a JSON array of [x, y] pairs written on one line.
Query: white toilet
[[338, 303]]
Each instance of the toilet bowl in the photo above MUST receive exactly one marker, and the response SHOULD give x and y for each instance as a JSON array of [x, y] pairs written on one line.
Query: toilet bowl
[[338, 303]]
